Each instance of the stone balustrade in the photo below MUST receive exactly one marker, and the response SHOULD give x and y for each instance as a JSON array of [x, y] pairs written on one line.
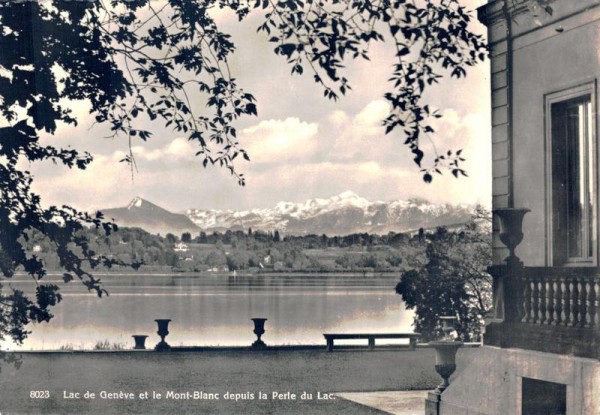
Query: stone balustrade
[[550, 309], [561, 297]]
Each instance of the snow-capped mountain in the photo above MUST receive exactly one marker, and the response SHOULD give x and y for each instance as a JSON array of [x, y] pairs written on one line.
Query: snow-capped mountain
[[343, 214], [146, 215]]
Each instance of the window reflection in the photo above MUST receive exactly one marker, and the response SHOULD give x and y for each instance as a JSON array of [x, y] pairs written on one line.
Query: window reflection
[[573, 180]]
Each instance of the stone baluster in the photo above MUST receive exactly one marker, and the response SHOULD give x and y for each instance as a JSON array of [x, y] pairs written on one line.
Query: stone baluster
[[591, 302], [566, 303], [550, 302], [558, 302], [542, 301], [535, 305], [527, 293], [591, 299], [574, 303], [583, 303]]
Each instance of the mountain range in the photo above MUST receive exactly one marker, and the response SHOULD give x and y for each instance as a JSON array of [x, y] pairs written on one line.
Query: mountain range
[[342, 214], [140, 213]]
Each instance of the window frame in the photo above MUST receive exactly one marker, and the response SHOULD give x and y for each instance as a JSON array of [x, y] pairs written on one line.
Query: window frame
[[550, 99]]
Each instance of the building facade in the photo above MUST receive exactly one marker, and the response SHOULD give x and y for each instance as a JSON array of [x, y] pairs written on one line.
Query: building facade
[[542, 348]]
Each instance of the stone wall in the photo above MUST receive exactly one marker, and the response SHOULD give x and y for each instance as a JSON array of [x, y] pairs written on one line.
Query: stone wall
[[491, 384]]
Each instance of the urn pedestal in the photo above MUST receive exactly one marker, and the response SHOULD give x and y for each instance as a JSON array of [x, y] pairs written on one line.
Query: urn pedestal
[[511, 230], [445, 352], [259, 330], [163, 331], [445, 360]]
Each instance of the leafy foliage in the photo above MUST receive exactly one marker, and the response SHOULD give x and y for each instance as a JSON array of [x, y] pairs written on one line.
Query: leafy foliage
[[429, 37], [452, 281], [140, 62]]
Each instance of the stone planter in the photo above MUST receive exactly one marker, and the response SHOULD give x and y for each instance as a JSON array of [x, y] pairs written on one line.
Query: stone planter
[[259, 330], [163, 331], [511, 228], [445, 352], [140, 341], [445, 360]]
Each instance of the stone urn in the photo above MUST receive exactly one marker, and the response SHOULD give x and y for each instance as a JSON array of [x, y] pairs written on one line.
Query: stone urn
[[508, 286], [140, 341], [511, 228], [445, 353], [163, 331], [259, 330], [447, 323]]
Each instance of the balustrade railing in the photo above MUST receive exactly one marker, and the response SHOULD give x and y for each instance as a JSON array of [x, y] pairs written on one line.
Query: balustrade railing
[[560, 297], [554, 310]]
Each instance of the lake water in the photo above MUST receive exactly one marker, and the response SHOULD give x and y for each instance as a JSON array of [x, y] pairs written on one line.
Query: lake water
[[215, 310]]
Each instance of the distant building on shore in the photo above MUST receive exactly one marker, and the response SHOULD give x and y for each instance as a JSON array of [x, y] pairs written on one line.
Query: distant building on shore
[[180, 247]]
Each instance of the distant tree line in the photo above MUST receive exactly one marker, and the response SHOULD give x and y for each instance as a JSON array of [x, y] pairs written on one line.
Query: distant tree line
[[242, 250], [309, 241]]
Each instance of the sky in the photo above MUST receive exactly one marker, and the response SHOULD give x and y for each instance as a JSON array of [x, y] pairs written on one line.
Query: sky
[[301, 145]]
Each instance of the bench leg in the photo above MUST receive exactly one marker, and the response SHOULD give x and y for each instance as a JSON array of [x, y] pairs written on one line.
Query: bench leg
[[371, 343], [330, 345], [412, 344]]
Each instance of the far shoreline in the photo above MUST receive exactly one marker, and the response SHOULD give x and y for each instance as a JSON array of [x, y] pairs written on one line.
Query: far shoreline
[[368, 274]]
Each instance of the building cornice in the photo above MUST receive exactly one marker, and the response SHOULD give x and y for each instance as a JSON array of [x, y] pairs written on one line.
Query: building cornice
[[517, 14], [496, 10]]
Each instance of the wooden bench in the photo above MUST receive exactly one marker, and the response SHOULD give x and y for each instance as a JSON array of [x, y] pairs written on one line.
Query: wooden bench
[[371, 337]]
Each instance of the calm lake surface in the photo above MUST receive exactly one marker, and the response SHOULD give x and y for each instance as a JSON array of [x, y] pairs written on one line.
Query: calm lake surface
[[215, 310]]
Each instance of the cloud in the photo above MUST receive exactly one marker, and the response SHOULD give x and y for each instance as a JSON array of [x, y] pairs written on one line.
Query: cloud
[[277, 140], [301, 182], [471, 133], [370, 116], [338, 118], [102, 181], [360, 136], [386, 164], [372, 180], [107, 182], [292, 160], [176, 150]]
